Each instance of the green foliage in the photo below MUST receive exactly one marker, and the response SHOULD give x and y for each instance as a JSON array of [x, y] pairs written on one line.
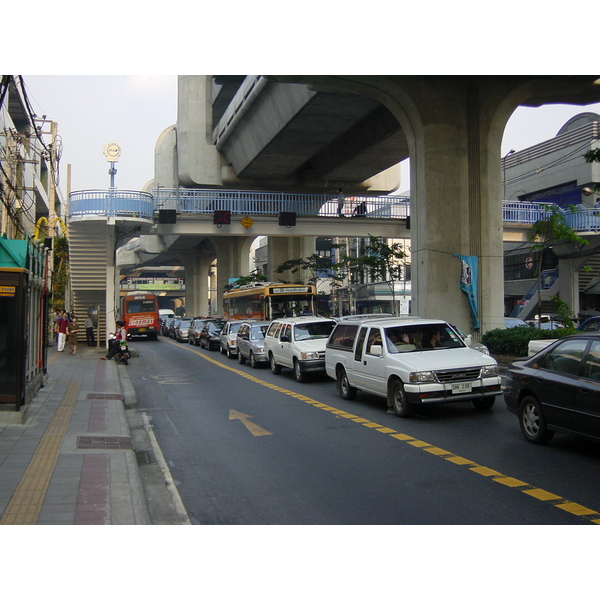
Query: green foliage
[[381, 259], [61, 270], [592, 156], [553, 228], [514, 341], [252, 277], [564, 311], [315, 267]]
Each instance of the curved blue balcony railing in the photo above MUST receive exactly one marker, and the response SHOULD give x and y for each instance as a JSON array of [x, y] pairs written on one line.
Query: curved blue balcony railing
[[109, 203]]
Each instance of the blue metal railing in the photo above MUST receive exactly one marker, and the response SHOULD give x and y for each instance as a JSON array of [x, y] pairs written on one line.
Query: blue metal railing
[[548, 279], [195, 201], [111, 203], [117, 203], [578, 219]]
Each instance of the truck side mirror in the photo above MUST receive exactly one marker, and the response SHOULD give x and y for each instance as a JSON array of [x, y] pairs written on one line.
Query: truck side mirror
[[376, 350]]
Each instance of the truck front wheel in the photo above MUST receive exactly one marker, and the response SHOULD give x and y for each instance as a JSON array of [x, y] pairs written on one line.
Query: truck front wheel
[[399, 400], [344, 389]]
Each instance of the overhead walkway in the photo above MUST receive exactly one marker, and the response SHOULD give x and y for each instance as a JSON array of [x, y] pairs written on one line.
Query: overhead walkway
[[99, 221]]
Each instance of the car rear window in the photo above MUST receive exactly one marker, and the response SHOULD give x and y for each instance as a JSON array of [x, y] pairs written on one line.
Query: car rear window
[[343, 336], [259, 332]]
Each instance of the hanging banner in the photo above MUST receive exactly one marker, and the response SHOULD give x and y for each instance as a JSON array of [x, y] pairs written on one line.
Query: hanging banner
[[469, 285]]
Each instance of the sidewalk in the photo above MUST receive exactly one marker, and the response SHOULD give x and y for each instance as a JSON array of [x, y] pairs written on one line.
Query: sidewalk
[[73, 461]]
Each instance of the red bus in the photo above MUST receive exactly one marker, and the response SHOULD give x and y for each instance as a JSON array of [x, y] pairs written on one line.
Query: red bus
[[139, 310]]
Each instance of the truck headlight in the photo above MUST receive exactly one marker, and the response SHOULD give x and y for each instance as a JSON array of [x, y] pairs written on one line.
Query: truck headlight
[[489, 371], [309, 355], [423, 377]]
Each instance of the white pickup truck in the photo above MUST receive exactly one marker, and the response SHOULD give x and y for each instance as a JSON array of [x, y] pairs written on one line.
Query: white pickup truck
[[410, 362]]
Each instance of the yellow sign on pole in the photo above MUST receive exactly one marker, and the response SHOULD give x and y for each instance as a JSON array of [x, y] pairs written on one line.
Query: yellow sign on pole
[[247, 222]]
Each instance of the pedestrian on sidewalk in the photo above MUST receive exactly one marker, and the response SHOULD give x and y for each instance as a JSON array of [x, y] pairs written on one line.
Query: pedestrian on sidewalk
[[72, 330], [62, 324], [89, 332]]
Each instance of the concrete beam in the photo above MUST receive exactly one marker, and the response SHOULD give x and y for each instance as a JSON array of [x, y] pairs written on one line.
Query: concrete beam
[[199, 226]]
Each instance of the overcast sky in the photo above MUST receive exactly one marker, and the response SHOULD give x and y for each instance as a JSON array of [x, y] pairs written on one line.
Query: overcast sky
[[132, 111]]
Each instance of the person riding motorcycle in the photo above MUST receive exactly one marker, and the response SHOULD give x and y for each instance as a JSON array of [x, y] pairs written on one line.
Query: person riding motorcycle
[[115, 343]]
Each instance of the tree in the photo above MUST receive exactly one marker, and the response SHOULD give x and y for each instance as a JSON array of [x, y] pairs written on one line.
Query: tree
[[549, 230], [384, 262], [317, 266], [593, 156], [61, 271], [252, 277]]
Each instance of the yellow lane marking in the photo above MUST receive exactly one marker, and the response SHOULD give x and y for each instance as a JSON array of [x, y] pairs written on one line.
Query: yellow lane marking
[[253, 428], [26, 503], [539, 494]]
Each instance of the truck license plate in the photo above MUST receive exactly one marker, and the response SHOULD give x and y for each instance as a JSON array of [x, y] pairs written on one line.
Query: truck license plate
[[464, 387]]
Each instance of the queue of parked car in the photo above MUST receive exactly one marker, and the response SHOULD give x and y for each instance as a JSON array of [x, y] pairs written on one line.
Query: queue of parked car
[[413, 362]]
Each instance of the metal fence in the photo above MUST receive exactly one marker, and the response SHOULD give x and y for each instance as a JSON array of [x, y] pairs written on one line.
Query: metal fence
[[194, 201], [117, 203], [578, 218], [108, 203]]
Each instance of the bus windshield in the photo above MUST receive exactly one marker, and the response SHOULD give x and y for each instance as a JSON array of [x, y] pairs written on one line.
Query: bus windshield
[[291, 305], [140, 306]]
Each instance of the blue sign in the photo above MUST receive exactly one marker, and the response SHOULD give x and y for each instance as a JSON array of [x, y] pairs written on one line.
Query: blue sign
[[469, 285]]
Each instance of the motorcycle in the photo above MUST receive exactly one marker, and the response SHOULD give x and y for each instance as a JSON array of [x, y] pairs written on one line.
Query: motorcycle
[[122, 354]]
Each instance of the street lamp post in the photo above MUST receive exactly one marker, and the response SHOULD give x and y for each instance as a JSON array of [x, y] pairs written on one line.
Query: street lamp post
[[504, 174], [112, 152]]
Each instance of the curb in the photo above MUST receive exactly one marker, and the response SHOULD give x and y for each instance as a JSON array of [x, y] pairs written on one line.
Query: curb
[[154, 483]]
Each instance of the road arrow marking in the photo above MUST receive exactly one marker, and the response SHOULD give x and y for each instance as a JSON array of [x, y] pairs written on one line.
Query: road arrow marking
[[254, 429]]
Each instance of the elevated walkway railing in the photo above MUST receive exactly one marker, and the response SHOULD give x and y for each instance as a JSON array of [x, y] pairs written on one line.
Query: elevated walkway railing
[[548, 280], [111, 203], [196, 201], [125, 203], [580, 219]]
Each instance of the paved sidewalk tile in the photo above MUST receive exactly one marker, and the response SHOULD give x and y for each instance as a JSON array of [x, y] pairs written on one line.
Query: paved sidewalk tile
[[73, 460]]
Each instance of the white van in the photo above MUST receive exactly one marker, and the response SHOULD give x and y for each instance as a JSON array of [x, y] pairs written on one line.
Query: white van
[[166, 313]]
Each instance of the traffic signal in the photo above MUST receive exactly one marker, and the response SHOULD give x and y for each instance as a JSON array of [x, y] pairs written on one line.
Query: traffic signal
[[167, 217], [222, 217], [287, 219]]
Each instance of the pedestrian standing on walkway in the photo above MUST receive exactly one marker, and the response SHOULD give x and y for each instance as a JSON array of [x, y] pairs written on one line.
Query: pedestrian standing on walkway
[[62, 326], [89, 332], [72, 330], [341, 200]]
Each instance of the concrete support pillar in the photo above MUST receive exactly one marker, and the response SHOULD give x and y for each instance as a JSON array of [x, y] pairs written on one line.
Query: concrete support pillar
[[280, 249], [112, 286], [568, 282], [233, 260], [454, 132]]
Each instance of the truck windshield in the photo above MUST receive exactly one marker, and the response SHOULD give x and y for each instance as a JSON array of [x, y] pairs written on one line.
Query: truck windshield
[[313, 331]]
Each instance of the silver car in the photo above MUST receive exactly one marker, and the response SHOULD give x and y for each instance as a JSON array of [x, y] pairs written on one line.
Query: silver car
[[181, 330], [229, 338], [250, 342]]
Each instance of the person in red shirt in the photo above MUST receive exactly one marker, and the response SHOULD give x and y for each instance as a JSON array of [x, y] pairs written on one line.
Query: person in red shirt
[[62, 324]]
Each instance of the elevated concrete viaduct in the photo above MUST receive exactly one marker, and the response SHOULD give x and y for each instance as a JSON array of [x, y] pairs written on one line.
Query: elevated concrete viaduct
[[323, 132]]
